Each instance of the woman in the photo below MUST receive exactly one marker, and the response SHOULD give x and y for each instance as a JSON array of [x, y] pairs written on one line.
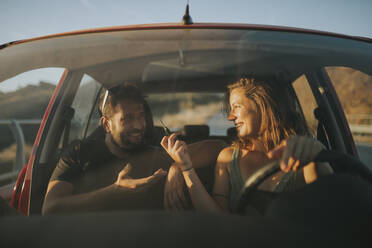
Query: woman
[[264, 116]]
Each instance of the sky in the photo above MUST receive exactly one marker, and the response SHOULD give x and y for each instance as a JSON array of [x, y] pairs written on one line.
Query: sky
[[21, 19]]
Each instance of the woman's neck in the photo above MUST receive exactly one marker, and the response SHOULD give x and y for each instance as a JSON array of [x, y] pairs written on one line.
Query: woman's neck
[[257, 145]]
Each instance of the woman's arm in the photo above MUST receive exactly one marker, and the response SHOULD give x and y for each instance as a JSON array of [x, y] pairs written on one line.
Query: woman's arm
[[203, 154], [200, 198], [299, 151], [313, 170], [221, 187], [219, 201]]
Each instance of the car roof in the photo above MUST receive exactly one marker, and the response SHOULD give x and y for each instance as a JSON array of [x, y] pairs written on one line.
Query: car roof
[[194, 25], [216, 51]]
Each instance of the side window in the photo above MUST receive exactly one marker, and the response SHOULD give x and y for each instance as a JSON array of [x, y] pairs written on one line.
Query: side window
[[307, 102], [23, 100], [86, 115], [354, 89]]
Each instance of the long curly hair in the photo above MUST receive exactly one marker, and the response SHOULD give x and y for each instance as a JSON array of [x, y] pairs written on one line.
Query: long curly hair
[[280, 112]]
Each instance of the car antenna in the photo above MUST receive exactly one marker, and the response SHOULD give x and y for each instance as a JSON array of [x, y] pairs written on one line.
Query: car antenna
[[186, 19]]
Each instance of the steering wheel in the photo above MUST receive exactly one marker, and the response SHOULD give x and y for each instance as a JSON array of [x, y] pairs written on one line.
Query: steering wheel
[[341, 163]]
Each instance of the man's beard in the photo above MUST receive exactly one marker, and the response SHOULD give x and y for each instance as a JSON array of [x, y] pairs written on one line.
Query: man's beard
[[124, 142]]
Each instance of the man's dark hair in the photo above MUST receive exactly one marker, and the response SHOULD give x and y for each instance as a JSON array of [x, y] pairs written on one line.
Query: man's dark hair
[[109, 100]]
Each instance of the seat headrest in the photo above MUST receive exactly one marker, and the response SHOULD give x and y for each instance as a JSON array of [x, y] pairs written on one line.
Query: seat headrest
[[157, 134], [158, 131], [196, 132], [232, 132]]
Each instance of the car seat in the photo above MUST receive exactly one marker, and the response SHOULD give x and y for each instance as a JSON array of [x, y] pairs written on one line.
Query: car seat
[[195, 133]]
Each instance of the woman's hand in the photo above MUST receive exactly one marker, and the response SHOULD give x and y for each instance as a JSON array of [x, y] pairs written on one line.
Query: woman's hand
[[296, 151], [177, 149]]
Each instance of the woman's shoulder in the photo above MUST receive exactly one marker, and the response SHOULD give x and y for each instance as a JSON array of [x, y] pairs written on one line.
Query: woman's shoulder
[[226, 154]]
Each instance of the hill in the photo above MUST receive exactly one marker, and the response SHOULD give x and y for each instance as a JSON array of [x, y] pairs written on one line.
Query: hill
[[28, 102], [354, 89]]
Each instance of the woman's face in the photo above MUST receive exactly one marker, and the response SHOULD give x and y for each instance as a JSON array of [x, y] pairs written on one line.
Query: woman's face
[[244, 113]]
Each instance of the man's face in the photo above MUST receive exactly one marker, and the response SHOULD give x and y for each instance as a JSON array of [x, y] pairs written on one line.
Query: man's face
[[128, 124]]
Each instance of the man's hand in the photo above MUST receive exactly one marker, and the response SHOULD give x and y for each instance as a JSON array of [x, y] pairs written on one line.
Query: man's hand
[[174, 196], [296, 151], [124, 181]]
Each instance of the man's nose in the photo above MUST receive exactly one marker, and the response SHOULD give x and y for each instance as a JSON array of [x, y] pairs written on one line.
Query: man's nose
[[139, 123]]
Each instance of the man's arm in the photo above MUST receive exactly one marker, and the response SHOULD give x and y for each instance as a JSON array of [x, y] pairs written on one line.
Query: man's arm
[[60, 197]]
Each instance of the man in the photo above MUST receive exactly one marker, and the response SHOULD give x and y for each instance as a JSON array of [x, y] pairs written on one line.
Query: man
[[96, 174], [121, 171]]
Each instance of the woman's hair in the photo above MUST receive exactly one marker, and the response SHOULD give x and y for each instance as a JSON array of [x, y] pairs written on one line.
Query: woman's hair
[[279, 111], [108, 102]]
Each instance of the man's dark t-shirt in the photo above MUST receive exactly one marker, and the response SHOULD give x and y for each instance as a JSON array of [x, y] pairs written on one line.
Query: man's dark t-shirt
[[89, 165]]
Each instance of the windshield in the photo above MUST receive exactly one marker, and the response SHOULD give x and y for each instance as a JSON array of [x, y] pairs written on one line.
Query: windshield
[[123, 91]]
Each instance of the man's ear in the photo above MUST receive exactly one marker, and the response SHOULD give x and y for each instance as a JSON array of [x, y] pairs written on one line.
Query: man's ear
[[106, 124]]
